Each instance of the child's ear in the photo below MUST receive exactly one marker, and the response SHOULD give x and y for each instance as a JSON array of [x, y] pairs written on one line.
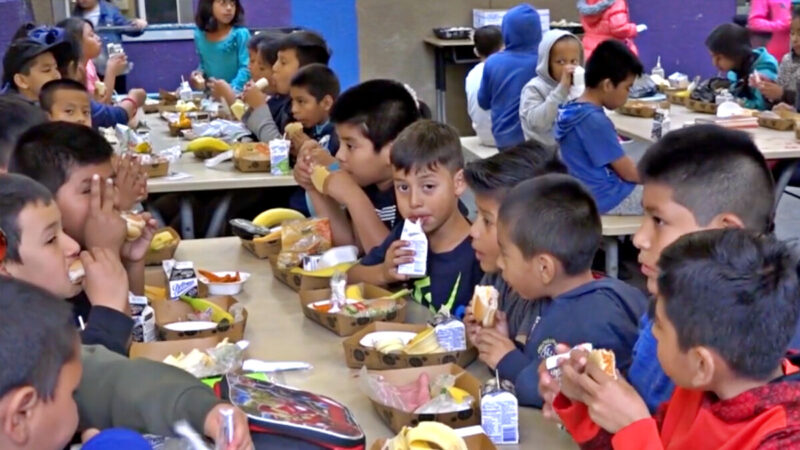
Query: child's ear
[[703, 363], [608, 85], [726, 220], [21, 81], [459, 184], [17, 413], [545, 267], [327, 103], [386, 151]]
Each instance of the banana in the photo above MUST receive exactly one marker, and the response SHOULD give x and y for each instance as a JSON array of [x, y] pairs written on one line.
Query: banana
[[354, 292], [143, 147], [207, 144], [389, 345], [155, 293], [200, 304], [238, 109], [161, 240], [324, 273], [424, 343], [275, 235], [276, 216], [426, 435]]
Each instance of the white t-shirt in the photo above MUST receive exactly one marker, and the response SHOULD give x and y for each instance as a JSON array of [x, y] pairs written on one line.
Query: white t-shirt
[[481, 118], [93, 15]]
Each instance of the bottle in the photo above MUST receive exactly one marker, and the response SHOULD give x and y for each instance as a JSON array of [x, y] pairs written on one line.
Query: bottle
[[185, 92], [658, 70]]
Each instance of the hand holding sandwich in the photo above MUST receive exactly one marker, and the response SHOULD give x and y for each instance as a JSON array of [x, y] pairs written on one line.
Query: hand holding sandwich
[[140, 231], [493, 343], [612, 402], [106, 282], [104, 227]]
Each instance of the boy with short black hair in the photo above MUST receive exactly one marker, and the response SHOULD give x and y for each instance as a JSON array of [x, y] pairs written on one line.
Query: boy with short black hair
[[548, 232], [33, 59], [314, 89], [17, 116], [368, 117], [66, 100], [488, 41], [490, 180], [725, 312], [295, 50], [428, 180], [589, 143]]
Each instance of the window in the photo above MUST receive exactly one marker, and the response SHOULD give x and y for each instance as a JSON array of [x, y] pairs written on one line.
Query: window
[[167, 11]]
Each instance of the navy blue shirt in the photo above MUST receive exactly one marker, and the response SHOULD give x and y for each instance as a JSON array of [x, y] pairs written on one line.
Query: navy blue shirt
[[589, 144], [451, 276], [385, 205], [603, 312], [280, 106]]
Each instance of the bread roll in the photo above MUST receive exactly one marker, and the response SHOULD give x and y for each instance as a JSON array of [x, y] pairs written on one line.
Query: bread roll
[[318, 176], [76, 272], [293, 129], [484, 304], [604, 359], [135, 225]]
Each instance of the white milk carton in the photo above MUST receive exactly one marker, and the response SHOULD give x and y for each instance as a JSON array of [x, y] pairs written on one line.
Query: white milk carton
[[415, 236], [500, 415], [451, 334], [144, 319]]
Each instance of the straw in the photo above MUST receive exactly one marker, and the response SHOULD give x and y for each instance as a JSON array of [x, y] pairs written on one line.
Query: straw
[[81, 323]]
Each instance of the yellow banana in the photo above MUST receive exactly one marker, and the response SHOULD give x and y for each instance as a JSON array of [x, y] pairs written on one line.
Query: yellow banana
[[424, 343], [276, 216], [207, 144], [324, 273], [161, 240], [426, 435], [200, 304], [354, 292], [155, 293]]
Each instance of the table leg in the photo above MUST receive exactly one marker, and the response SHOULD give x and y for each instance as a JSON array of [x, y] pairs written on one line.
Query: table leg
[[155, 214], [611, 247], [441, 84], [187, 218], [785, 172], [218, 218]]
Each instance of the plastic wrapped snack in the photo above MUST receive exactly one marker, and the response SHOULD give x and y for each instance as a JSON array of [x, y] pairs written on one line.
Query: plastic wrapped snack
[[223, 358], [405, 398], [303, 237]]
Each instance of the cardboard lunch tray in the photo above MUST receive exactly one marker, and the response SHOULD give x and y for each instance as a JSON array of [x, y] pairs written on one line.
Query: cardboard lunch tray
[[676, 99], [779, 124], [155, 276], [356, 355], [168, 252], [701, 107], [474, 442], [642, 109], [344, 325], [159, 350], [297, 281], [262, 249], [248, 164], [157, 169], [396, 419], [168, 311]]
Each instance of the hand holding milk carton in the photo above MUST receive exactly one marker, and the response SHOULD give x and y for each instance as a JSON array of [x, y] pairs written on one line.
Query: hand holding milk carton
[[418, 242]]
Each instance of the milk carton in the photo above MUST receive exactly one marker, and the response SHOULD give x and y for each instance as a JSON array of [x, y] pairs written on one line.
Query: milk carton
[[450, 332], [182, 278], [144, 319], [415, 236], [279, 156], [500, 413]]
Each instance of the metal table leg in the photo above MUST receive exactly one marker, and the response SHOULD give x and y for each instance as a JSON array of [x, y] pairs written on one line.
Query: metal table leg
[[187, 218], [441, 84], [218, 218], [155, 214], [611, 247], [786, 172]]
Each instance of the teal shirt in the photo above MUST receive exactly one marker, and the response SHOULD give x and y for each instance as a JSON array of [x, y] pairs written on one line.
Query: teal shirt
[[227, 59], [767, 66]]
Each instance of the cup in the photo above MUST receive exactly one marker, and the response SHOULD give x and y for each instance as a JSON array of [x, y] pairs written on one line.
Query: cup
[[579, 77]]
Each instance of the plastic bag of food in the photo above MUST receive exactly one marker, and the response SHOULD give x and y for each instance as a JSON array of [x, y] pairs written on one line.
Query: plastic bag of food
[[303, 237], [225, 357], [405, 398]]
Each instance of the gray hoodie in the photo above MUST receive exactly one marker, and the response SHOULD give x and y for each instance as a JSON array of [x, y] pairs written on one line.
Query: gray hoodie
[[541, 96]]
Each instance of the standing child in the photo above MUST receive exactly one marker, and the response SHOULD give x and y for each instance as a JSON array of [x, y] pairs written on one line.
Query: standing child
[[773, 17], [221, 42], [506, 72], [589, 143], [729, 45], [488, 41], [607, 19], [428, 168], [785, 89], [101, 13], [560, 53]]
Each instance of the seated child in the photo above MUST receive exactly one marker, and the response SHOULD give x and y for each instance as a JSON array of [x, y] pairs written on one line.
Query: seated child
[[295, 50], [560, 53], [313, 90], [589, 143], [368, 117], [696, 178], [729, 45], [490, 180], [256, 65], [548, 233], [67, 101], [74, 163], [725, 311], [30, 61], [488, 41], [16, 115], [784, 90], [428, 181], [506, 72], [41, 397]]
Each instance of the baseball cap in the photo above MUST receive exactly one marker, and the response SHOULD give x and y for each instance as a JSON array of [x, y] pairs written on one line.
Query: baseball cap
[[38, 40]]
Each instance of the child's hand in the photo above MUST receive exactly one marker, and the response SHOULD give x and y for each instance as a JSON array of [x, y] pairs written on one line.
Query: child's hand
[[130, 181], [493, 346], [783, 107], [298, 141], [221, 89], [473, 328], [135, 251], [302, 170], [501, 323], [241, 430], [138, 95], [116, 64], [770, 89], [197, 81], [339, 185], [139, 23], [104, 227], [566, 77], [396, 254], [612, 404], [549, 387], [253, 96], [106, 282]]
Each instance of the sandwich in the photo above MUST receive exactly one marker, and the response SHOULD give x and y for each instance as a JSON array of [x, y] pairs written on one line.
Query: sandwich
[[135, 225], [605, 360], [484, 304], [318, 176], [262, 84], [293, 129], [76, 272]]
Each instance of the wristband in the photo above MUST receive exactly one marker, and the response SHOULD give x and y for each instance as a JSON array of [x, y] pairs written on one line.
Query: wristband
[[128, 99]]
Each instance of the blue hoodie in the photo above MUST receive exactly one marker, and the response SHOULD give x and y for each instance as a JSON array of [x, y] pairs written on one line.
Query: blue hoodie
[[589, 144], [603, 312], [507, 72]]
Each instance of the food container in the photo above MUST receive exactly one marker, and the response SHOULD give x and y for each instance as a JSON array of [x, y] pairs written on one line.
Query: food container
[[157, 167], [220, 288], [678, 98], [157, 351], [251, 157], [781, 121], [642, 109], [171, 311], [154, 257], [701, 107], [343, 324]]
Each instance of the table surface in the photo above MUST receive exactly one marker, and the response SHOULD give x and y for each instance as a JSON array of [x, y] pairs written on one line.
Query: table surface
[[278, 330], [772, 143], [222, 177], [436, 42]]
